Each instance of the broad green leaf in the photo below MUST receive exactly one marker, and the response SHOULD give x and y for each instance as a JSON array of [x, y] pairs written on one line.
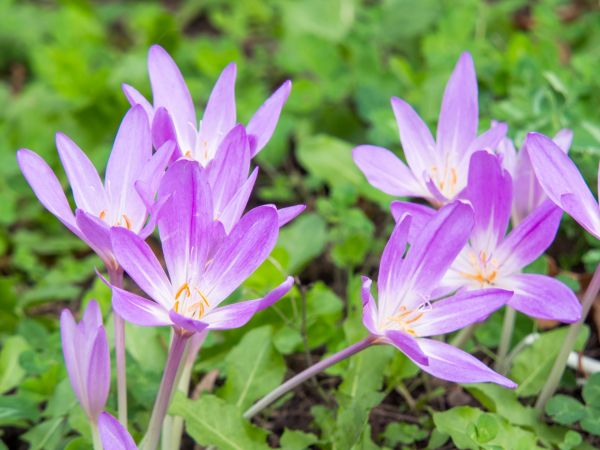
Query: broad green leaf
[[591, 391], [304, 239], [17, 410], [11, 372], [253, 368], [403, 433], [564, 409], [297, 440]]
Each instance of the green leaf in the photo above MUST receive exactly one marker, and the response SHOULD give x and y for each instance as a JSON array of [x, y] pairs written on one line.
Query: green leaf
[[564, 409], [297, 440], [46, 435], [11, 372], [16, 409], [591, 421], [403, 433], [303, 240], [210, 421], [253, 368], [591, 391]]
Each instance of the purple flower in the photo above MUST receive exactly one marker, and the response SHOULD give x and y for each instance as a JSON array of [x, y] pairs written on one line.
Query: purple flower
[[87, 358], [437, 170], [113, 435], [563, 182], [525, 183], [407, 311], [100, 206], [173, 116], [492, 259], [204, 263]]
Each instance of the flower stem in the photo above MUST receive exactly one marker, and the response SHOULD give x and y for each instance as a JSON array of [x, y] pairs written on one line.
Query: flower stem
[[306, 374], [165, 391], [508, 327], [463, 336], [116, 279], [96, 435], [559, 365]]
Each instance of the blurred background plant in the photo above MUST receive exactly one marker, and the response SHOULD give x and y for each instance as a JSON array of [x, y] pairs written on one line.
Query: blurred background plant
[[61, 67]]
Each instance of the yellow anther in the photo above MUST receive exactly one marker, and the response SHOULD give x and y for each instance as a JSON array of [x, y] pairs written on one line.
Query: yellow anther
[[184, 288], [102, 214], [127, 221]]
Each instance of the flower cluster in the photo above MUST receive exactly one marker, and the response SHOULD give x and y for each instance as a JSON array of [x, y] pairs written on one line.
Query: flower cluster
[[445, 267]]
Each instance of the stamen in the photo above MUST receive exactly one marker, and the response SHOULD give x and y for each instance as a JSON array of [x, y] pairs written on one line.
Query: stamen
[[184, 287], [127, 221], [102, 214]]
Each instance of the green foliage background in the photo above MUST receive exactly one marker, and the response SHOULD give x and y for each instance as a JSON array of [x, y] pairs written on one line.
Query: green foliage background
[[61, 67]]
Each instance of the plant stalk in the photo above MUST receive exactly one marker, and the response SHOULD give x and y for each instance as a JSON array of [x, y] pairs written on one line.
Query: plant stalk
[[306, 374], [116, 279], [561, 360], [508, 327], [165, 391], [96, 435]]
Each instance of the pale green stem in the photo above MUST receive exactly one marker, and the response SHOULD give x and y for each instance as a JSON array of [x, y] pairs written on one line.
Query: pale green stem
[[165, 392], [116, 279], [508, 327], [306, 374], [96, 436], [568, 344], [463, 336]]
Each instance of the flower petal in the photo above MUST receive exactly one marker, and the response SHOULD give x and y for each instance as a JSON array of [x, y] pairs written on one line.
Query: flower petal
[[490, 139], [390, 267], [152, 174], [286, 215], [220, 112], [386, 171], [98, 374], [263, 122], [139, 310], [186, 323], [135, 98], [452, 364], [97, 235], [163, 130], [85, 183], [564, 139], [69, 339], [113, 435], [526, 242], [138, 260], [420, 216], [407, 345], [234, 210], [369, 312], [459, 115], [562, 181], [544, 297], [248, 245], [170, 91], [460, 310], [46, 187], [415, 137], [239, 314]]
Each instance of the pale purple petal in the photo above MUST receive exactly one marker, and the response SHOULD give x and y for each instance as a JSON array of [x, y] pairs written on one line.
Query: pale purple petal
[[263, 122], [186, 323], [529, 194], [460, 310], [525, 243], [131, 151], [508, 154], [390, 267], [564, 139], [544, 297], [369, 313], [415, 137], [451, 364], [98, 374], [139, 310], [458, 121], [386, 171], [562, 181], [234, 210], [113, 435], [286, 215], [407, 345], [239, 314], [434, 251], [489, 189], [240, 254], [170, 91], [420, 216], [97, 234], [489, 139], [85, 183], [69, 339], [219, 114], [184, 220], [138, 260], [135, 98], [46, 187], [163, 130], [152, 174]]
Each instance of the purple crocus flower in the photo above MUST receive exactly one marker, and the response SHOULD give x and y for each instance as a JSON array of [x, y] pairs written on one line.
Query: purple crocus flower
[[525, 183], [113, 435], [492, 259], [205, 264], [87, 358], [407, 311], [173, 116], [100, 206], [563, 182], [437, 170]]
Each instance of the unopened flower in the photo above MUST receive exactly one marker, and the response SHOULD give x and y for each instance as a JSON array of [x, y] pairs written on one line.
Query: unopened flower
[[437, 170], [173, 116], [87, 358], [494, 259], [563, 183], [113, 435], [100, 206], [408, 312], [204, 263]]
